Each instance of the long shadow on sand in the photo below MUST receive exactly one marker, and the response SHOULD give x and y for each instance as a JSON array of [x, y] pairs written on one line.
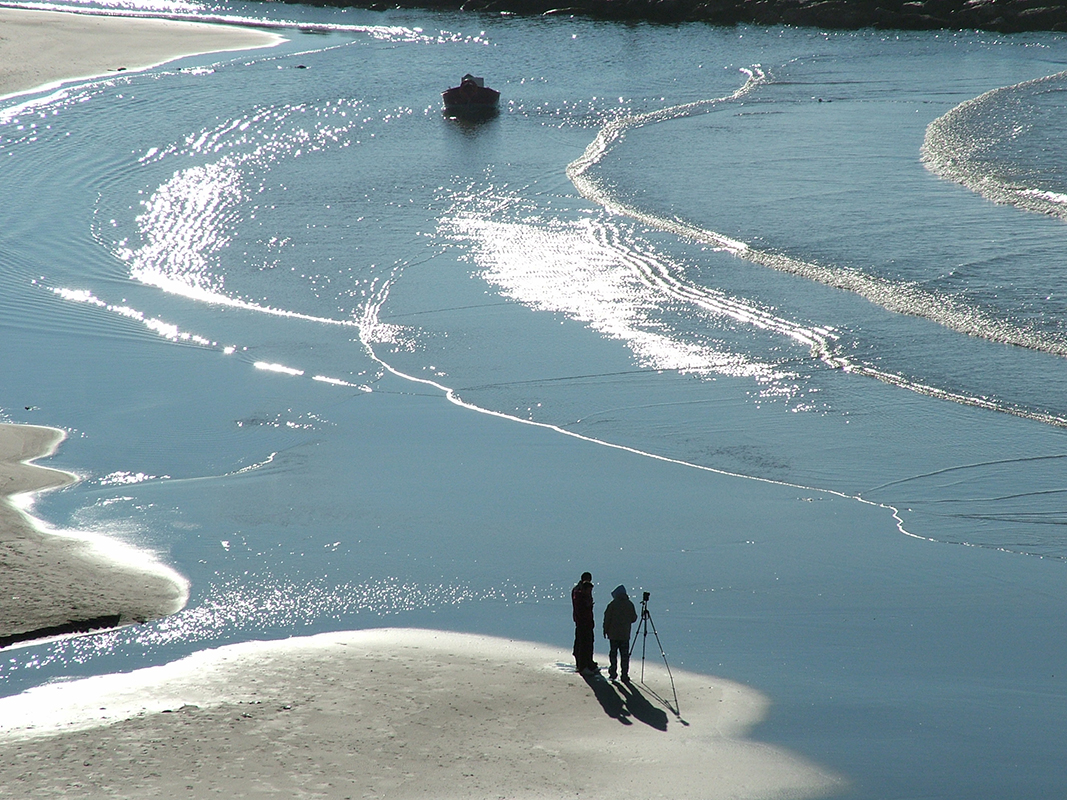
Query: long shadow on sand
[[625, 703]]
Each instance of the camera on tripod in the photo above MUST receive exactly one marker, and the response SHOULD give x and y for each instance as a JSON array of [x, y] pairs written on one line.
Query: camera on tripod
[[644, 599]]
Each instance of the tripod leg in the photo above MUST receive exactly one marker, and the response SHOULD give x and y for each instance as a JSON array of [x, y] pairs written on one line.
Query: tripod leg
[[677, 709], [642, 627]]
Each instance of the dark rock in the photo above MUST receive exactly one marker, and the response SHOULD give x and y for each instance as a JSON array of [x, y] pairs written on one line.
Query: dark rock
[[1003, 16], [72, 627], [832, 14]]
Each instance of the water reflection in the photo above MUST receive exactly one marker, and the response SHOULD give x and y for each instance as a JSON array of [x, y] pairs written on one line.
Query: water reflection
[[470, 121]]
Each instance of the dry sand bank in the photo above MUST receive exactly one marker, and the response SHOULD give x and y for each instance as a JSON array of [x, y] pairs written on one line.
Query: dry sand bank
[[41, 48], [50, 582], [391, 713]]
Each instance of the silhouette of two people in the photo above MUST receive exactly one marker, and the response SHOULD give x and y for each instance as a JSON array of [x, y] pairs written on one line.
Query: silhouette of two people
[[619, 615], [622, 701]]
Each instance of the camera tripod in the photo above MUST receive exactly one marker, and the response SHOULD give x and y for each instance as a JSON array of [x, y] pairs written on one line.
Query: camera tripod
[[642, 630]]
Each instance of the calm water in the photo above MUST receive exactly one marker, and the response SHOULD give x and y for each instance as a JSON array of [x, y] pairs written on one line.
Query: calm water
[[267, 292]]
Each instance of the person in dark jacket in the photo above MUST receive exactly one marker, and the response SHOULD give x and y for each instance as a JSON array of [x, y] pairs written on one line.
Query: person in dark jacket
[[618, 617], [582, 601]]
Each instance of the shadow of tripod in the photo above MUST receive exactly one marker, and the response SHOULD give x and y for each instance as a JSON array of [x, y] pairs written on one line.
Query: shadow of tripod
[[642, 630]]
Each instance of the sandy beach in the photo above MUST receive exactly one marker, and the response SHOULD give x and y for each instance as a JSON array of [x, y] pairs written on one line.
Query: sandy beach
[[54, 583], [392, 713], [42, 48], [385, 713]]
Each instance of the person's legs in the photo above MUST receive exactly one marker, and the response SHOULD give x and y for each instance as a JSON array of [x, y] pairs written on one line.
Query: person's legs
[[613, 657], [624, 657], [584, 647]]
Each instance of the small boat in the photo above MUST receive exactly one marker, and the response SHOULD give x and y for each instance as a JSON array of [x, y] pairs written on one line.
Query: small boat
[[472, 96]]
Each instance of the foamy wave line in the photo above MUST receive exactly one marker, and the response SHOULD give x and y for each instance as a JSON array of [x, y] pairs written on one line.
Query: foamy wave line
[[950, 151], [657, 275], [821, 340], [611, 132], [902, 298], [897, 296], [379, 293]]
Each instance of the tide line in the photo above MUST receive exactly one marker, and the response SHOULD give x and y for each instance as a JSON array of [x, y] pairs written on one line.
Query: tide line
[[378, 297], [896, 296]]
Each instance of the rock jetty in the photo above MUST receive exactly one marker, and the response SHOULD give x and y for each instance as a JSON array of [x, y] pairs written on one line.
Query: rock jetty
[[1003, 16]]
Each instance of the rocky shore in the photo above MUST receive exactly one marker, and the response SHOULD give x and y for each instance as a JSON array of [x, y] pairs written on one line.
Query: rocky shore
[[1003, 16]]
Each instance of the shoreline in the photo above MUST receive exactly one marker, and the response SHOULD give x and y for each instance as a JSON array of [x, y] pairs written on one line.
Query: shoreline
[[41, 50], [400, 713], [61, 583]]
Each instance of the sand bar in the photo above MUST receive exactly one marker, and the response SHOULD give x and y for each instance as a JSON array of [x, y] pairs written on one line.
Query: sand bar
[[392, 713], [49, 581], [43, 48]]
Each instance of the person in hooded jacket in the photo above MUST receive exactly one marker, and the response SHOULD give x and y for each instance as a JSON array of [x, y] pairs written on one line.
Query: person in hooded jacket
[[618, 617]]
